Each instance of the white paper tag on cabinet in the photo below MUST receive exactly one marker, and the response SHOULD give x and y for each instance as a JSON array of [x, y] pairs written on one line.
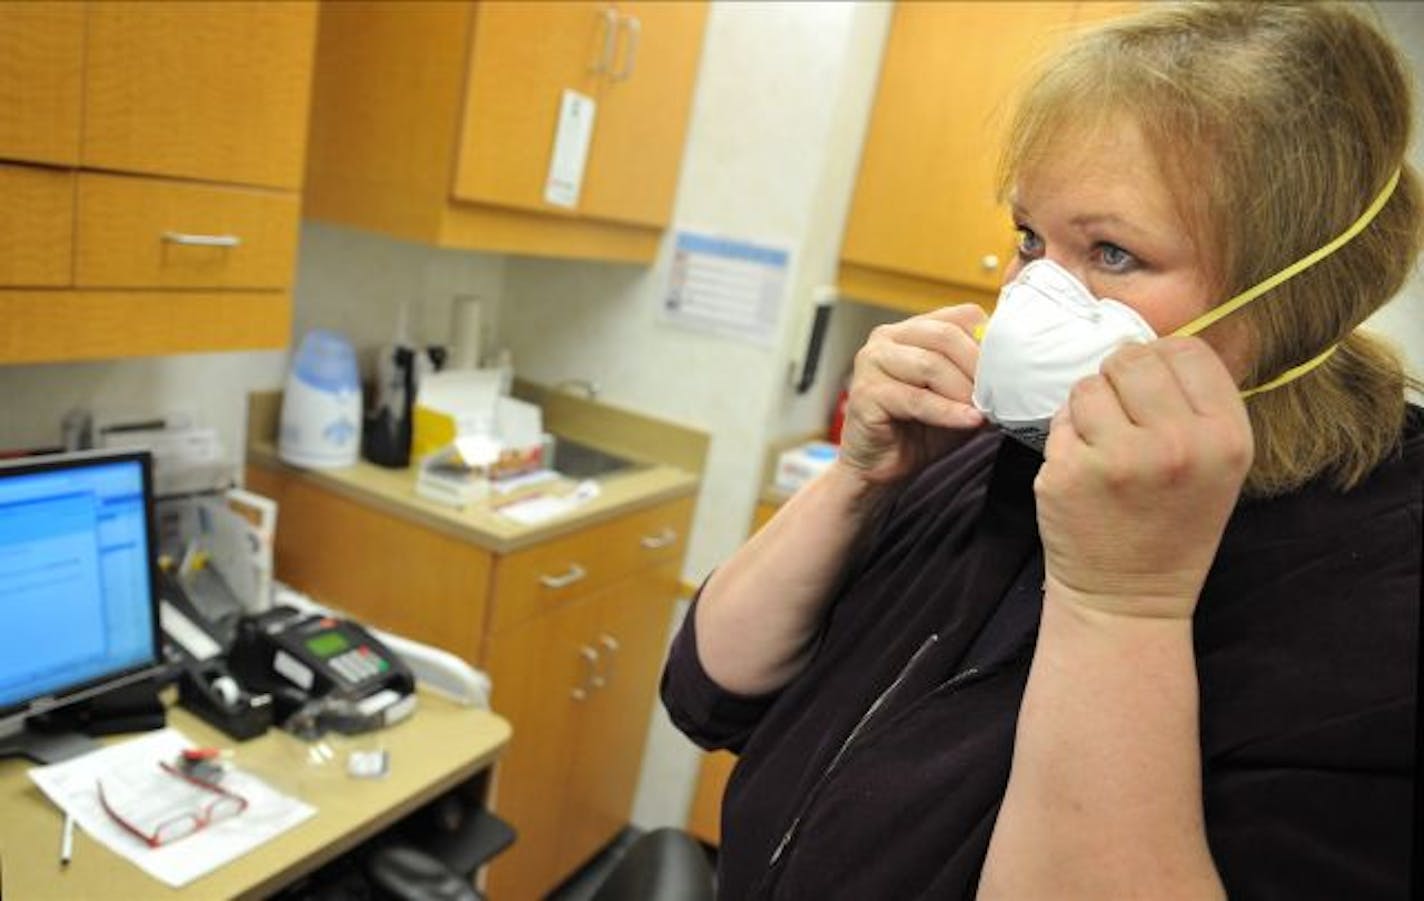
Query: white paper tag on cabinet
[[571, 139]]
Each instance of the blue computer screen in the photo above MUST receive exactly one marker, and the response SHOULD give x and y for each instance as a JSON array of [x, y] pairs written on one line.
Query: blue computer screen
[[74, 577]]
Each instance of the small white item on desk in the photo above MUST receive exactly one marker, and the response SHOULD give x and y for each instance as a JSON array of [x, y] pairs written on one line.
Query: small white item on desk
[[368, 764], [66, 842], [801, 464], [73, 786]]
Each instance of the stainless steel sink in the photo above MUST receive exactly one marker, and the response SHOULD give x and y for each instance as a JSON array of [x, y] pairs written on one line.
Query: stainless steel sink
[[579, 461]]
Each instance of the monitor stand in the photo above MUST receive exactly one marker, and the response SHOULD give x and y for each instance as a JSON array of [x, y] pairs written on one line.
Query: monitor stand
[[44, 747]]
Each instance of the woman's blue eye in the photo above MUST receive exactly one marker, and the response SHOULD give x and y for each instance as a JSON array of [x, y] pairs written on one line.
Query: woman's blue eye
[[1115, 258], [1030, 244]]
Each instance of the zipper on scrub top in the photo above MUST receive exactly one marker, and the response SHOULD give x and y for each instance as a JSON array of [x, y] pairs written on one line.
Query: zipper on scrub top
[[855, 733]]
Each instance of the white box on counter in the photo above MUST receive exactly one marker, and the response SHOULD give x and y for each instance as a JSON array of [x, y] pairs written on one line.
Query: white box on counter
[[803, 463]]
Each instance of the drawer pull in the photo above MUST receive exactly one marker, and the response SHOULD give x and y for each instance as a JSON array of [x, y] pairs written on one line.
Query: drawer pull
[[564, 580], [610, 644], [190, 240], [591, 679], [661, 540]]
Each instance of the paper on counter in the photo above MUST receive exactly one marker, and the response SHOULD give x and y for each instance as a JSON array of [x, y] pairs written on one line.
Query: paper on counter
[[544, 507], [73, 786]]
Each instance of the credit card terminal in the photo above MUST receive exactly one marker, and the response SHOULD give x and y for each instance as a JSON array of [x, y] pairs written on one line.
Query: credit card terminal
[[311, 657]]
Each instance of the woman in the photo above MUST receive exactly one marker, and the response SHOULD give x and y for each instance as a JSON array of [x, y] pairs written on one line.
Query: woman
[[1173, 654]]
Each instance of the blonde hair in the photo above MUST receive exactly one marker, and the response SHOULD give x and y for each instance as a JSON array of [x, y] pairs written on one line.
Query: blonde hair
[[1278, 123]]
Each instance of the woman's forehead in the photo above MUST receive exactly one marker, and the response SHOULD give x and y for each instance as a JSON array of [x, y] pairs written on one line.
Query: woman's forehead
[[1101, 174]]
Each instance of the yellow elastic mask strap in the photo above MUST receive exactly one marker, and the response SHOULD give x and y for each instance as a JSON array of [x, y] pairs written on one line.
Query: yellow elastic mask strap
[[1293, 373], [1294, 269]]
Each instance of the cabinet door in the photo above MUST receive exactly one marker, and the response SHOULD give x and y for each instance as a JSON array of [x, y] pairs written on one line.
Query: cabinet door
[[641, 124], [37, 229], [41, 58], [541, 675], [631, 640], [924, 201], [212, 91], [522, 57]]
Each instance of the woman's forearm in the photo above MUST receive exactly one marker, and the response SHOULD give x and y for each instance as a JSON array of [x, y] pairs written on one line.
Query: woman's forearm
[[1104, 797], [758, 615]]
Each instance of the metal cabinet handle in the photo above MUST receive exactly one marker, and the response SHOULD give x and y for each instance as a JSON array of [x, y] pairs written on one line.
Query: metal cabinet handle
[[190, 240], [610, 41], [611, 645], [989, 262], [565, 579], [661, 540], [592, 679], [630, 59]]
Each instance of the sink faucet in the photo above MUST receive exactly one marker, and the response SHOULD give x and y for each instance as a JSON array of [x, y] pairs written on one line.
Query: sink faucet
[[587, 386]]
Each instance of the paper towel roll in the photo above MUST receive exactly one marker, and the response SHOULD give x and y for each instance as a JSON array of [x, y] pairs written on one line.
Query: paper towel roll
[[464, 332]]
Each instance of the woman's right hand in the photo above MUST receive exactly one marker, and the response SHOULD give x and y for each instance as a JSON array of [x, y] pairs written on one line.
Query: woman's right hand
[[910, 394]]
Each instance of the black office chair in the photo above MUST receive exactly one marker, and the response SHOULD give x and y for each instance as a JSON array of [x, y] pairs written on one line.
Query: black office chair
[[663, 865]]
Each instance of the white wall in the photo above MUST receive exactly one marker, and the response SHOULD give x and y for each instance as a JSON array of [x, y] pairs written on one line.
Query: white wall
[[1402, 320]]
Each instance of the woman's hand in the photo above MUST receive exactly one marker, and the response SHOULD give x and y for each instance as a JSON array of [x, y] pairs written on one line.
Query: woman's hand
[[910, 394], [1143, 468]]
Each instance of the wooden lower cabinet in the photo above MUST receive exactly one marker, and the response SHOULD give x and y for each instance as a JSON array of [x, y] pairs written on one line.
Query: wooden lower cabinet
[[572, 632], [578, 686]]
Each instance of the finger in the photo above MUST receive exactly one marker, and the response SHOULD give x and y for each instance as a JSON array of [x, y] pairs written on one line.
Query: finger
[[1146, 388], [1206, 383], [953, 339], [1095, 411], [965, 315], [925, 369], [906, 403]]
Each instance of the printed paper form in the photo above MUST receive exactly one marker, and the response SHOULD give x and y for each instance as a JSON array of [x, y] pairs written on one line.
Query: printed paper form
[[727, 287], [73, 786]]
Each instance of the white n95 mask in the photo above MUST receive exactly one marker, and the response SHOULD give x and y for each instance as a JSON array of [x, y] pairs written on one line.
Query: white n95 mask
[[1048, 332]]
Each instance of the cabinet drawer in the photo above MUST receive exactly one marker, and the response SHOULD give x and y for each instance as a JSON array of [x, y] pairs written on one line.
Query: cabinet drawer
[[37, 229], [544, 577], [141, 232]]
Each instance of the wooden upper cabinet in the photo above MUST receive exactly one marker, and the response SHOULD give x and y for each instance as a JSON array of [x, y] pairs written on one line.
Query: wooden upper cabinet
[[41, 66], [208, 91], [436, 122], [636, 61], [643, 109], [925, 227], [522, 56]]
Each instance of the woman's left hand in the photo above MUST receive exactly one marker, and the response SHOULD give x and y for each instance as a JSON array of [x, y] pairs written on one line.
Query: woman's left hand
[[1143, 468]]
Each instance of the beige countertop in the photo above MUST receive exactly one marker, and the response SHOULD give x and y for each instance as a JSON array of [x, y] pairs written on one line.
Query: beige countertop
[[393, 490]]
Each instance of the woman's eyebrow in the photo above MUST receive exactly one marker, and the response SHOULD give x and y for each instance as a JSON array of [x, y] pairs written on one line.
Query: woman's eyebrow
[[1087, 220]]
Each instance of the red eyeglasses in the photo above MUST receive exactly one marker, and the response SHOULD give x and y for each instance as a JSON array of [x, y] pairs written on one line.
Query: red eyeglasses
[[224, 805]]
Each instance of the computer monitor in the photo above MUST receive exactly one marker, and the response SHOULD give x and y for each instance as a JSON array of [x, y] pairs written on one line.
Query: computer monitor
[[78, 587]]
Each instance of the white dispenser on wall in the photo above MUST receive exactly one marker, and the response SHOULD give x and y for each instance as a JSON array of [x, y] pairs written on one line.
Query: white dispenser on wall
[[321, 408]]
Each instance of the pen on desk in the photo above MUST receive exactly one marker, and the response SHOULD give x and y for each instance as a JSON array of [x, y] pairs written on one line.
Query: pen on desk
[[66, 843]]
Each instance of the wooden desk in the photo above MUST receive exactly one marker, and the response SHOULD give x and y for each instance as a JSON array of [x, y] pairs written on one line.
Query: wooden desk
[[439, 747]]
